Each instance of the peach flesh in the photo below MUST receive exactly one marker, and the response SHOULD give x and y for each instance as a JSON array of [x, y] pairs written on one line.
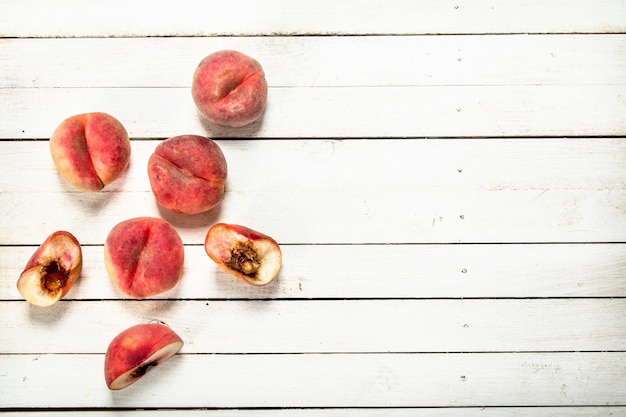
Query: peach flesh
[[144, 256], [90, 150], [135, 350], [187, 174], [52, 270], [245, 253], [229, 88]]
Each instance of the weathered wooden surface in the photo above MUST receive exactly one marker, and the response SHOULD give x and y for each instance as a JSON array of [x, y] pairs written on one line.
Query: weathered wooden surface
[[69, 18], [447, 180]]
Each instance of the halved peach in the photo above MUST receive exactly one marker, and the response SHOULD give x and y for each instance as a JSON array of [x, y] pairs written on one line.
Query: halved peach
[[135, 350], [245, 253], [52, 270]]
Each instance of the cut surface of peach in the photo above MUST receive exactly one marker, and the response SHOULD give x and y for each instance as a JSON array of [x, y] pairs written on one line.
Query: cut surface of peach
[[52, 270], [245, 253], [137, 349]]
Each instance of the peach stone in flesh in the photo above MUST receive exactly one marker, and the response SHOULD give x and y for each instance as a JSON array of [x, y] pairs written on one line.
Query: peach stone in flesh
[[135, 350], [52, 270], [250, 255]]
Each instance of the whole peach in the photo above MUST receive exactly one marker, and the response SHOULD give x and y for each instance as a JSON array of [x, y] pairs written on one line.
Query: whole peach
[[90, 150], [144, 256], [188, 174], [229, 88]]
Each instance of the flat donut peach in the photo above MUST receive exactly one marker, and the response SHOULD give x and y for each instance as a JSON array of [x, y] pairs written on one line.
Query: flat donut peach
[[187, 174], [90, 150], [229, 88], [144, 256]]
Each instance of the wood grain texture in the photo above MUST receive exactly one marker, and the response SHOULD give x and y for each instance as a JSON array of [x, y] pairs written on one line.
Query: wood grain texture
[[587, 411], [324, 17], [375, 272], [366, 112], [510, 191], [337, 165], [322, 380], [358, 326], [447, 181], [313, 61]]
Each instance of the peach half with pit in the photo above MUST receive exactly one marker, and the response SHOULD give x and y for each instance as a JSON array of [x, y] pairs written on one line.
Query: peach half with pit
[[252, 256], [137, 349], [187, 174], [144, 256], [51, 270], [90, 150], [229, 88]]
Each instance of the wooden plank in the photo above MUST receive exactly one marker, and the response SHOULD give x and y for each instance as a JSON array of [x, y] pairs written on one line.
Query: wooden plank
[[331, 326], [392, 164], [588, 411], [425, 111], [311, 61], [375, 271], [526, 191], [474, 216], [376, 380], [319, 341], [325, 17], [557, 216]]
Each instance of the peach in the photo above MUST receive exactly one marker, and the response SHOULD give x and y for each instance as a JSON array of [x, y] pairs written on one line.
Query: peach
[[229, 88], [132, 352], [51, 270], [144, 256], [245, 253], [187, 174], [90, 150]]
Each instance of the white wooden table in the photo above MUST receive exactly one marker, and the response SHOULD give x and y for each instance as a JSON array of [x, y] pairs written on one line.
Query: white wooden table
[[447, 180]]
